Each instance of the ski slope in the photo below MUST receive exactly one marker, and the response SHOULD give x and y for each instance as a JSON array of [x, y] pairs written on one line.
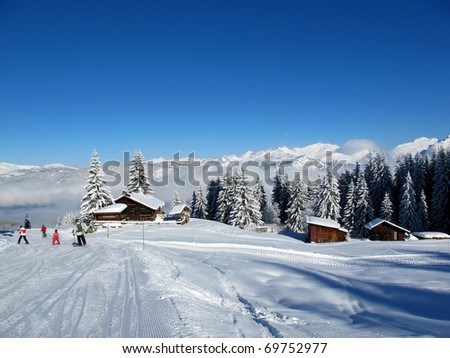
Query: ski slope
[[205, 279]]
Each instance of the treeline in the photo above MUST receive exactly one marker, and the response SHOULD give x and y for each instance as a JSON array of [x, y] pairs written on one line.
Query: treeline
[[415, 195]]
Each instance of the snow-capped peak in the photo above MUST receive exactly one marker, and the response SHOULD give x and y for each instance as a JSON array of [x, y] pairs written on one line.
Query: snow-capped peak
[[416, 146], [11, 167]]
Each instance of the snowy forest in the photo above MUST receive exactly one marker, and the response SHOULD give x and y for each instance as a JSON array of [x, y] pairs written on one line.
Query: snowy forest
[[415, 195]]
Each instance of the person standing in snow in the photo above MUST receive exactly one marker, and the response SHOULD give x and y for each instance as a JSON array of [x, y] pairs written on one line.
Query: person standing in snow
[[22, 235], [44, 231], [79, 230], [56, 238]]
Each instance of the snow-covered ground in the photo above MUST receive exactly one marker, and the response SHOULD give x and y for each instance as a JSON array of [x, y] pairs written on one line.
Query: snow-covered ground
[[205, 279]]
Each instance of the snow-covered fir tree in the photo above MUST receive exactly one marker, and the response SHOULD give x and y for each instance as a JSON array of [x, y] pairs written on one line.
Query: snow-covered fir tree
[[212, 198], [313, 192], [27, 222], [296, 210], [69, 218], [260, 194], [245, 212], [193, 203], [328, 206], [176, 199], [440, 200], [419, 175], [363, 209], [225, 198], [271, 213], [408, 209], [138, 177], [348, 218], [280, 194], [422, 213], [98, 194], [379, 179], [344, 181], [199, 210], [387, 209]]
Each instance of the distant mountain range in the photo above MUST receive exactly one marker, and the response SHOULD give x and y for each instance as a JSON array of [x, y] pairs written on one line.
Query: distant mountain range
[[352, 152], [49, 191]]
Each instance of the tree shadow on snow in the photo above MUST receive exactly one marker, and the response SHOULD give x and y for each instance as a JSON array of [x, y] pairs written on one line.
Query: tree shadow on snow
[[413, 310]]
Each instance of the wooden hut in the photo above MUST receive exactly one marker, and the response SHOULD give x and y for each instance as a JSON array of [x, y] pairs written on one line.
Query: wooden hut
[[134, 207], [325, 230], [383, 230], [430, 235], [180, 213], [111, 213]]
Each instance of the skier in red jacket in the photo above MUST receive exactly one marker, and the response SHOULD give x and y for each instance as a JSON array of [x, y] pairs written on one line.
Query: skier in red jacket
[[44, 231], [56, 238], [23, 235]]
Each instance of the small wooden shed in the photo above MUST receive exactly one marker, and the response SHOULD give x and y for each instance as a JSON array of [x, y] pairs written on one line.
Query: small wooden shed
[[431, 235], [180, 213], [383, 230], [325, 230]]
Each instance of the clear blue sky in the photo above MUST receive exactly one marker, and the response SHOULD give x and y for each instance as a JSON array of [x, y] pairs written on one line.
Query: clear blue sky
[[217, 77]]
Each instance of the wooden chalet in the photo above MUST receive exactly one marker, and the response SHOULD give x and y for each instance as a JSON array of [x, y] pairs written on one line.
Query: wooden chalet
[[180, 213], [383, 230], [134, 207], [430, 235], [325, 230]]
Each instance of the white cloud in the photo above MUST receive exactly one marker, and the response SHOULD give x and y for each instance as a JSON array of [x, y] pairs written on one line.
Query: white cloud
[[355, 146]]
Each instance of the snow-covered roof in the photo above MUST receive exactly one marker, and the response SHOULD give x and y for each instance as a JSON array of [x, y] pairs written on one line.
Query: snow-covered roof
[[146, 200], [378, 221], [112, 209], [314, 220], [431, 235], [178, 209]]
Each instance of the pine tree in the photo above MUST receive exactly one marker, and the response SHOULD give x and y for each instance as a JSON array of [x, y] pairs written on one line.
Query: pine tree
[[260, 194], [225, 198], [399, 180], [379, 179], [329, 198], [344, 182], [271, 213], [138, 177], [27, 223], [212, 198], [387, 209], [348, 218], [98, 195], [280, 194], [193, 204], [297, 206], [422, 213], [418, 175], [69, 218], [440, 201], [199, 211], [383, 181], [245, 212], [407, 209], [313, 193], [363, 209], [176, 199]]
